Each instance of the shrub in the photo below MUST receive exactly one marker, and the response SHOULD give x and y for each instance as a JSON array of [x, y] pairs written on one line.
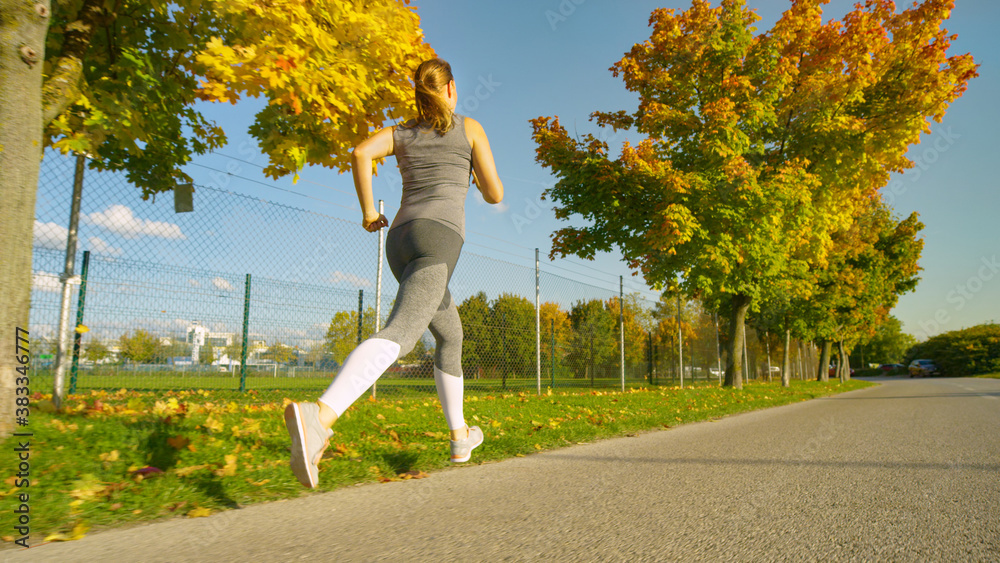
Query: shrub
[[970, 351]]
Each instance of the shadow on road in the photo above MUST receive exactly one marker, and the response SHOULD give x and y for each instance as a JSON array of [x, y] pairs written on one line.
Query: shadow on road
[[993, 467], [935, 396]]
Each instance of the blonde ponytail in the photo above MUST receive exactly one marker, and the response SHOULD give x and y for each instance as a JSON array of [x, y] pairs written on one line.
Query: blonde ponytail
[[432, 107]]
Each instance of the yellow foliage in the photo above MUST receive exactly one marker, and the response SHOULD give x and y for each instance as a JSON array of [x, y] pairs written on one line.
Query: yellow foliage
[[199, 512], [229, 469], [185, 471], [213, 424], [78, 532], [320, 62]]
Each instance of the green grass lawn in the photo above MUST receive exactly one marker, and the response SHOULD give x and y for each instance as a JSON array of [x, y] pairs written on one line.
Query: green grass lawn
[[215, 450], [263, 381]]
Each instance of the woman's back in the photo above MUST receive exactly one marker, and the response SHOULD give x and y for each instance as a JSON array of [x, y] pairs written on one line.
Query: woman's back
[[435, 168]]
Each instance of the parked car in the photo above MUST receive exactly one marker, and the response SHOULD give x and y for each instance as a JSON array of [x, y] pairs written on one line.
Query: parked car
[[923, 368], [887, 368]]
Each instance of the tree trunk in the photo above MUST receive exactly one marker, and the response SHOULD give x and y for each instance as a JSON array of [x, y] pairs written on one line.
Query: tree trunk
[[786, 361], [734, 347], [823, 373], [847, 365], [23, 27], [844, 362], [799, 353], [840, 360]]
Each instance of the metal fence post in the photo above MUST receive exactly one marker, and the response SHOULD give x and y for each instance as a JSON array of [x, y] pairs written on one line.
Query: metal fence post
[[361, 313], [378, 281], [649, 356], [246, 327], [67, 278], [621, 326], [538, 324], [552, 354], [591, 357], [503, 349], [77, 335], [655, 364], [680, 342]]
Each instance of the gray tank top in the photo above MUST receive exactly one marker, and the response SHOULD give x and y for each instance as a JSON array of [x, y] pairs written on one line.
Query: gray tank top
[[435, 170]]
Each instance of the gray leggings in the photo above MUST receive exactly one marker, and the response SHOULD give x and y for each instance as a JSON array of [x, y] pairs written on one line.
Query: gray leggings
[[422, 255]]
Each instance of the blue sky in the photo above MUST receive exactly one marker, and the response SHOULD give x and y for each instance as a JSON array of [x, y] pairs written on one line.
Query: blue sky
[[517, 60]]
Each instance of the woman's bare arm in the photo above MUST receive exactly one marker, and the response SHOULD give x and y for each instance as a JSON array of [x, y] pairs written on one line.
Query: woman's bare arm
[[377, 146], [484, 170]]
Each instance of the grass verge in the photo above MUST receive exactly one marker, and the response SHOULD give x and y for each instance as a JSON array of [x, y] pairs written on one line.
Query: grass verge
[[114, 458]]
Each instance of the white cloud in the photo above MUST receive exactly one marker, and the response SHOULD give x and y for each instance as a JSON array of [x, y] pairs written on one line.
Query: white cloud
[[194, 283], [221, 283], [50, 235], [97, 245], [356, 281], [120, 220], [45, 281]]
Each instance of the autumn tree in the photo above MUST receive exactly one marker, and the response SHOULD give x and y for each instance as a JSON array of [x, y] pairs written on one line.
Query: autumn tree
[[757, 148], [234, 349], [420, 354], [206, 354], [141, 347], [174, 349], [637, 320], [96, 351], [876, 263], [279, 353], [119, 81], [477, 347], [888, 344], [665, 335], [514, 339], [556, 330], [342, 334], [594, 344]]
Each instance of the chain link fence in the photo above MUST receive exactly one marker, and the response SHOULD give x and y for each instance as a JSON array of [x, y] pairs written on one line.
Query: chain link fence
[[246, 294]]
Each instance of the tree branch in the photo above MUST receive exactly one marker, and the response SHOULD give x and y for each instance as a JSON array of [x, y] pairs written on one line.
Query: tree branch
[[63, 87]]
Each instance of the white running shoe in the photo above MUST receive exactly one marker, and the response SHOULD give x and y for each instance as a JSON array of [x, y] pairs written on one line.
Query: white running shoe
[[461, 450], [309, 441]]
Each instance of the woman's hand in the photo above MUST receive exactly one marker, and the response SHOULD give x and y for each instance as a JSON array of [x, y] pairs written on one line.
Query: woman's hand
[[374, 222]]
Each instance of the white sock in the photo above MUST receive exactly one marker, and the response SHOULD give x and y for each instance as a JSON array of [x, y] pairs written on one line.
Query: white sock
[[361, 369], [450, 389]]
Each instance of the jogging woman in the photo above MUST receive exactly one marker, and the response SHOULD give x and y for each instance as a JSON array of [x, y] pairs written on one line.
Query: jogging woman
[[436, 153]]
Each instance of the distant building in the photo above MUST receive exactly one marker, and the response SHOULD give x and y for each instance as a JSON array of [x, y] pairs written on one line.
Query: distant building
[[196, 337]]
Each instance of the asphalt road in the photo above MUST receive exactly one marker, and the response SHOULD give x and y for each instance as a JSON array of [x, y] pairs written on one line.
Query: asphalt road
[[907, 471]]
